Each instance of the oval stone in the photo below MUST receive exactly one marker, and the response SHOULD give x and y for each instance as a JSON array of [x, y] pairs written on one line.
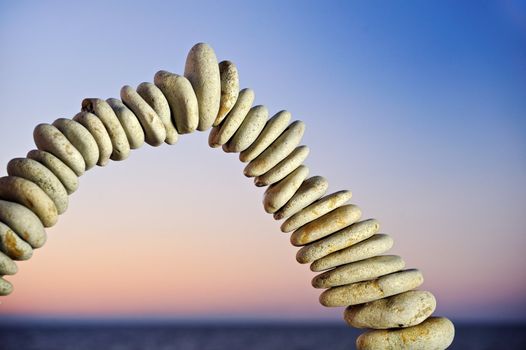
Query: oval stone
[[435, 333], [81, 139], [23, 222], [202, 70], [6, 288], [398, 311], [281, 192], [97, 129], [310, 190], [131, 125], [283, 168], [7, 265], [229, 89], [249, 130], [67, 177], [12, 245]]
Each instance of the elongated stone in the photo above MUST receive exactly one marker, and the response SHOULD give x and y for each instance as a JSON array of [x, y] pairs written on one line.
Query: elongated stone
[[12, 245], [363, 292], [310, 190], [131, 125], [81, 139], [280, 193], [154, 132], [202, 70], [359, 271], [155, 98], [277, 151], [329, 223], [375, 245], [6, 288], [32, 170], [274, 127], [67, 177], [22, 191], [23, 222], [283, 168], [97, 129], [344, 238], [398, 311], [222, 133], [7, 265], [50, 139], [435, 333], [182, 99], [316, 210], [229, 89], [248, 131], [119, 141]]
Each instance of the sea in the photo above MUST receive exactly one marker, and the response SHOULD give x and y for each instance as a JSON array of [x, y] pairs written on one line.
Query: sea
[[164, 335]]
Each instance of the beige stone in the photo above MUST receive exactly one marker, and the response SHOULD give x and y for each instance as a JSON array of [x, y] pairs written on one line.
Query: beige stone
[[154, 132], [359, 271], [342, 239], [274, 127], [281, 192], [229, 89], [283, 168], [323, 226], [316, 210], [202, 70], [119, 141], [398, 311], [248, 131], [375, 245], [27, 193], [97, 129], [310, 190], [435, 333], [182, 99], [277, 151], [7, 265], [6, 288], [81, 139], [50, 139], [23, 222], [12, 245], [32, 170], [131, 125], [222, 133], [67, 177], [363, 292]]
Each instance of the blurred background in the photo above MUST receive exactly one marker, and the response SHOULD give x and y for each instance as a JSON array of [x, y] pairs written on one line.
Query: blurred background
[[417, 107]]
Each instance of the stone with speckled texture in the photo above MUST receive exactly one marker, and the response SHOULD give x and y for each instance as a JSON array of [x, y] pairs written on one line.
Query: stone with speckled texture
[[129, 121], [7, 265], [310, 190], [249, 130], [97, 129], [23, 222], [229, 89], [281, 192], [12, 245], [283, 168], [81, 139]]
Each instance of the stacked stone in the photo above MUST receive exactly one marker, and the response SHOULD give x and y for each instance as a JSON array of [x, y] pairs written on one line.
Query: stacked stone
[[376, 289]]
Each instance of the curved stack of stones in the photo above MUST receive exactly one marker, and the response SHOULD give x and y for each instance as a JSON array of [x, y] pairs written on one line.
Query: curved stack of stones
[[347, 251]]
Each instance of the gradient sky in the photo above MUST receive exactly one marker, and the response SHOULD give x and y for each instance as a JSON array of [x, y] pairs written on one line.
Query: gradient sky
[[418, 107]]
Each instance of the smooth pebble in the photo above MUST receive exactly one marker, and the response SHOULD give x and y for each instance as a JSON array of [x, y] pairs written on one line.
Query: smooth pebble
[[67, 177], [99, 133], [229, 89], [131, 125], [310, 190], [248, 131], [281, 192], [283, 168], [12, 245], [81, 139], [7, 265], [23, 222]]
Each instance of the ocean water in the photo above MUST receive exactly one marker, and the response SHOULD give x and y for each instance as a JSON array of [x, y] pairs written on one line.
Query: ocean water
[[75, 335]]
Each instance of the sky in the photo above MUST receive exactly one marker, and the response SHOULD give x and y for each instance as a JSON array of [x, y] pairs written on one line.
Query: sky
[[418, 108]]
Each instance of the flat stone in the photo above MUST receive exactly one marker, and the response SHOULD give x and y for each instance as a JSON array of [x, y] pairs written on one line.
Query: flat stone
[[23, 222], [375, 245], [310, 190], [67, 177], [154, 132], [359, 271], [50, 139], [119, 141], [323, 226], [34, 171], [274, 127], [131, 125], [181, 98], [6, 288], [7, 265], [316, 210], [283, 168], [363, 292], [22, 191], [398, 311], [222, 133], [229, 89], [281, 192], [97, 129], [202, 70], [12, 245], [435, 333], [81, 139], [248, 131], [277, 151], [341, 239]]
